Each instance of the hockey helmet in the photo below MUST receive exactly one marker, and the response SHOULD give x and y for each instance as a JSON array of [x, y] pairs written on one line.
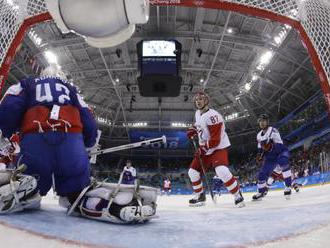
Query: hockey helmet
[[201, 94], [263, 117]]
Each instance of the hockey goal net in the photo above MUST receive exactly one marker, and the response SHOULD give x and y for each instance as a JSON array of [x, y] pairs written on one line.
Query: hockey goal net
[[309, 17]]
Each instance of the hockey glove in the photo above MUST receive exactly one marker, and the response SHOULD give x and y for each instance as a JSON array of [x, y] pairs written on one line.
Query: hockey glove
[[192, 132]]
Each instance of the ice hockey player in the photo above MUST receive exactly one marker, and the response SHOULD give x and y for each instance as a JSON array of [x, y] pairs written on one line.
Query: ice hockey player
[[271, 152], [9, 149], [217, 184], [56, 127], [167, 186], [213, 140], [129, 173]]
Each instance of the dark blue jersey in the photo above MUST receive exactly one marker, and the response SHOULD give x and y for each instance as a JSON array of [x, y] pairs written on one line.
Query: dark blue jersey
[[28, 107]]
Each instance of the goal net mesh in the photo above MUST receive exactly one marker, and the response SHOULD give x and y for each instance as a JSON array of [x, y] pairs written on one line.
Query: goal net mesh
[[313, 15]]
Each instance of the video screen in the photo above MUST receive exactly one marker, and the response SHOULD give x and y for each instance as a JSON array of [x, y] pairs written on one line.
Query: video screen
[[158, 48]]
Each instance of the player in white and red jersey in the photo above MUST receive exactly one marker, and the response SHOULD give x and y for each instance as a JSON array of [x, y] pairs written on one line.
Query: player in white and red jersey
[[167, 186], [213, 143], [9, 149]]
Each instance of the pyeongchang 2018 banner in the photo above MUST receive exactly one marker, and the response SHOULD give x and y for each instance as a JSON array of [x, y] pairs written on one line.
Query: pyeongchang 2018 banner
[[174, 139]]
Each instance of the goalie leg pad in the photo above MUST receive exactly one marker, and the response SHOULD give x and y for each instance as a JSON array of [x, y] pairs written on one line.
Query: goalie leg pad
[[19, 195], [125, 207], [137, 214]]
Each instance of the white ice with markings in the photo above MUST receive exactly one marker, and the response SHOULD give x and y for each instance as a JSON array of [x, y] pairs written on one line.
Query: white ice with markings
[[272, 222]]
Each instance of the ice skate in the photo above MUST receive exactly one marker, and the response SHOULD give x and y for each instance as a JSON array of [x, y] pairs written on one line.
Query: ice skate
[[266, 192], [198, 200], [258, 196], [239, 200], [296, 187], [287, 193]]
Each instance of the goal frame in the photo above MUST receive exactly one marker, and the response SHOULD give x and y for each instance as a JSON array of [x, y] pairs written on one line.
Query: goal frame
[[209, 4]]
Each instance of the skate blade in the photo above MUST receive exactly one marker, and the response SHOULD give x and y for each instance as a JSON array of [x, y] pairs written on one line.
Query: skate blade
[[240, 205], [200, 204], [257, 200]]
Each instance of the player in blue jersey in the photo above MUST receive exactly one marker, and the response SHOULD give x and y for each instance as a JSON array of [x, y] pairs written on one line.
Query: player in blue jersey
[[56, 126], [129, 173], [271, 152]]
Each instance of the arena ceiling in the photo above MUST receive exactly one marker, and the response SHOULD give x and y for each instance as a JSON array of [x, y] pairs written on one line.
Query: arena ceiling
[[247, 65]]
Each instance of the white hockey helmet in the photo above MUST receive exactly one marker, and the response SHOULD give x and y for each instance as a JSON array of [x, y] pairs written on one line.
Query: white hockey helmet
[[103, 23], [53, 70]]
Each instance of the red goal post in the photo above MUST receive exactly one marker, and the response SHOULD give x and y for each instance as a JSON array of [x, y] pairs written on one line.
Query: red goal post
[[309, 17]]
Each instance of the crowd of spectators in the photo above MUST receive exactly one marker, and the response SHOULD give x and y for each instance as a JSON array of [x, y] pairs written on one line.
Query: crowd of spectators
[[304, 162], [311, 111]]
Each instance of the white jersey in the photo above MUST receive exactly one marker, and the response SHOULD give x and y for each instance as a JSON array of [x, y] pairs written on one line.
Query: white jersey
[[211, 130], [167, 184], [131, 170], [271, 134]]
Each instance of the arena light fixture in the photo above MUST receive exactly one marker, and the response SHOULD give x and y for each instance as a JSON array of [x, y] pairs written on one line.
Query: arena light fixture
[[231, 117], [230, 30], [104, 121], [280, 37], [180, 124], [113, 22], [36, 39], [247, 86], [254, 77], [266, 57], [135, 124], [50, 57]]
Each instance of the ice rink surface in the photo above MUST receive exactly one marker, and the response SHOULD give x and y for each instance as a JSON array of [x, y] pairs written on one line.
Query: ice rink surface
[[302, 221]]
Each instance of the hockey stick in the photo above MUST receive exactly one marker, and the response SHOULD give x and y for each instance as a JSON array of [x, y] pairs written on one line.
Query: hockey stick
[[204, 172], [92, 160], [92, 184], [130, 146], [115, 192], [18, 170]]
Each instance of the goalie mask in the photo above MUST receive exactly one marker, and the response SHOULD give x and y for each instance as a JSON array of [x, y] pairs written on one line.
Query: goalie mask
[[53, 70], [201, 100], [101, 23]]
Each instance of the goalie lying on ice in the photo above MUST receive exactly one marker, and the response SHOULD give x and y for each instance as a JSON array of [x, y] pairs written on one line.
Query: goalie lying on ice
[[100, 201], [116, 203]]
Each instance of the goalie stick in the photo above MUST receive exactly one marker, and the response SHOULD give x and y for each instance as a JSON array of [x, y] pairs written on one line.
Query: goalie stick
[[93, 183], [129, 146], [92, 160], [204, 172], [115, 192], [18, 170]]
